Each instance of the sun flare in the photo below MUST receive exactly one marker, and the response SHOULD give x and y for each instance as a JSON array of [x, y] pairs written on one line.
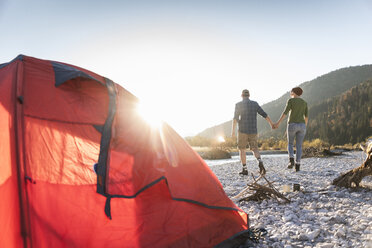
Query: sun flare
[[149, 114]]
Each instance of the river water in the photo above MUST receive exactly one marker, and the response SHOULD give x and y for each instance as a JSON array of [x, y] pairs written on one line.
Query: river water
[[236, 158]]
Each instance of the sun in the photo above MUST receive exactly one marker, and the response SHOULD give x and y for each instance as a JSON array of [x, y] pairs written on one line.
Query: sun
[[149, 114]]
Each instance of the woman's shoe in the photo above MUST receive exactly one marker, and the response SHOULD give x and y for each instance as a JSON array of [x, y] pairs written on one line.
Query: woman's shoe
[[291, 163], [297, 167]]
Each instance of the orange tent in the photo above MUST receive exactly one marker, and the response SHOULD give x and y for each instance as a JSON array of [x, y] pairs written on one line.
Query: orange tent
[[148, 188]]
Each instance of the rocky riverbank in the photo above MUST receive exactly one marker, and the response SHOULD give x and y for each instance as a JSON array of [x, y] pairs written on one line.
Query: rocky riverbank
[[319, 215]]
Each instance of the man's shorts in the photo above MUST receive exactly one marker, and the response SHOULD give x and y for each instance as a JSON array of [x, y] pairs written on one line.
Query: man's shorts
[[245, 139]]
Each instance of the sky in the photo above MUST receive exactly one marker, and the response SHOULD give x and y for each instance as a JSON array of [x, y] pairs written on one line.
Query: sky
[[188, 61]]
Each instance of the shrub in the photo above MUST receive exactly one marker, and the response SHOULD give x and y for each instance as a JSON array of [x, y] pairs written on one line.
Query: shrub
[[272, 144], [198, 141], [215, 153], [316, 143]]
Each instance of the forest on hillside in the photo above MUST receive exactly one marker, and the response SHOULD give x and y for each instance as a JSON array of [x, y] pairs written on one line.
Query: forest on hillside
[[343, 119], [317, 91]]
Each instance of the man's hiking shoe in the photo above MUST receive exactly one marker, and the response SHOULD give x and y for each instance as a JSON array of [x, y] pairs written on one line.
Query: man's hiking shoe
[[297, 167], [244, 172], [291, 163], [262, 168]]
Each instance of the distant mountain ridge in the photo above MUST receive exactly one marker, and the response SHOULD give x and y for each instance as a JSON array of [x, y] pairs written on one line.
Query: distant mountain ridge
[[316, 91]]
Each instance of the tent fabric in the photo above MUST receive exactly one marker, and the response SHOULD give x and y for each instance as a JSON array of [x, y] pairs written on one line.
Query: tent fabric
[[55, 124], [65, 73], [19, 57], [10, 224]]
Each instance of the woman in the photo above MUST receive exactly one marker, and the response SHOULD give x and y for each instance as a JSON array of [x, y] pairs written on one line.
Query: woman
[[296, 129]]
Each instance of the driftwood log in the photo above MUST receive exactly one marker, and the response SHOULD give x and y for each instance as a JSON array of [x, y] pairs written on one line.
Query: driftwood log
[[258, 192], [353, 177], [310, 152]]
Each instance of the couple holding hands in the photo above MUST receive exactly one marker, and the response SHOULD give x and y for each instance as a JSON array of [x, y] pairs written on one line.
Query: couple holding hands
[[246, 117]]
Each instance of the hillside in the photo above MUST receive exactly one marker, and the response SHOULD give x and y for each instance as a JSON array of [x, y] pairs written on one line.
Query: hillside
[[343, 119], [316, 91]]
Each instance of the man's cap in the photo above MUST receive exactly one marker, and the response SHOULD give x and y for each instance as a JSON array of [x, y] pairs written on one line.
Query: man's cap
[[245, 92]]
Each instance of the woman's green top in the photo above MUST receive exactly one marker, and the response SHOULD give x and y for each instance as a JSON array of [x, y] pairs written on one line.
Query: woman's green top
[[297, 109]]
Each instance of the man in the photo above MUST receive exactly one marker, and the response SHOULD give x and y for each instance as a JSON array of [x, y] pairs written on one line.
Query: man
[[246, 115]]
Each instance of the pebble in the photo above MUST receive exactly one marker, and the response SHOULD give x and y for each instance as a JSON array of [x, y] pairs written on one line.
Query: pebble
[[303, 237], [340, 233], [312, 235], [325, 245]]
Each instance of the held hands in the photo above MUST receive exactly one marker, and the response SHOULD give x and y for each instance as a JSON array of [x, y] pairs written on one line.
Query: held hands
[[275, 125]]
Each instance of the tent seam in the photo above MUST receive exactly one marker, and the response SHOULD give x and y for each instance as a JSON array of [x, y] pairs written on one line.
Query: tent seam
[[173, 198], [61, 121]]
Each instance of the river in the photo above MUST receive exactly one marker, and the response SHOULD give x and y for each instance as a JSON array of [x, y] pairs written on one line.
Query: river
[[235, 158]]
